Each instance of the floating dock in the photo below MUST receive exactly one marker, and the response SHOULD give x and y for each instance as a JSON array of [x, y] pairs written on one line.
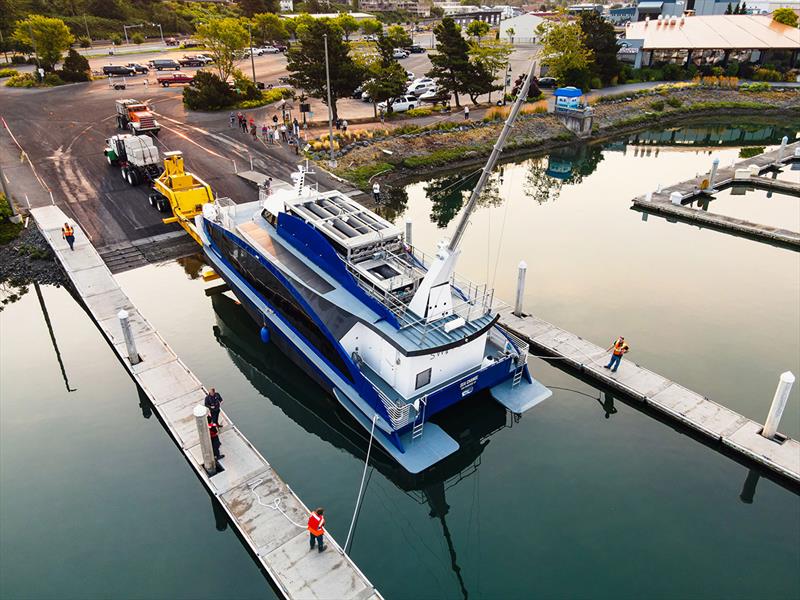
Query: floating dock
[[280, 546], [671, 201], [677, 402]]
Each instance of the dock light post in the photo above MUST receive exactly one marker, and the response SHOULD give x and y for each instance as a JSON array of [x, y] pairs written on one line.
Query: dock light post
[[521, 271], [200, 413], [332, 161], [782, 150], [252, 60], [714, 167], [127, 333], [785, 383]]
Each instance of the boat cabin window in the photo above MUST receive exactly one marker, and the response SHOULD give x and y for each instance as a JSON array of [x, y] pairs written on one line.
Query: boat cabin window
[[423, 378]]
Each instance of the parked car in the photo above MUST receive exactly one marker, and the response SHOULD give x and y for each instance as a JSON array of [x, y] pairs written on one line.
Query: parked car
[[174, 78], [138, 68], [399, 53], [400, 104], [370, 38], [281, 47], [267, 50], [118, 70], [193, 61], [547, 82], [171, 41], [409, 75], [357, 93], [160, 64], [415, 49], [435, 96], [417, 89]]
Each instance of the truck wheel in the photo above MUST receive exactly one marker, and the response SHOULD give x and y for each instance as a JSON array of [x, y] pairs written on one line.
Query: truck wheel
[[162, 205], [108, 158], [152, 200], [124, 172], [133, 178], [165, 84]]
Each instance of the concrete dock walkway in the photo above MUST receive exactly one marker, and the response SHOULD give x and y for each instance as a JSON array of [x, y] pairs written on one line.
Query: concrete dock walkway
[[661, 202], [280, 546], [677, 402]]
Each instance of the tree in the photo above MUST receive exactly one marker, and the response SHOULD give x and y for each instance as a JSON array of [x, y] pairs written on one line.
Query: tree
[[480, 81], [729, 10], [399, 36], [138, 38], [478, 29], [348, 23], [208, 92], [51, 37], [271, 27], [306, 63], [510, 33], [224, 38], [450, 62], [386, 84], [492, 56], [602, 42], [563, 48], [250, 8], [786, 16], [108, 9], [75, 68], [371, 26]]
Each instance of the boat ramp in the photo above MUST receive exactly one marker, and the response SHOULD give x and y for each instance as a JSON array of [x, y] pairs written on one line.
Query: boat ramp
[[672, 201], [267, 514]]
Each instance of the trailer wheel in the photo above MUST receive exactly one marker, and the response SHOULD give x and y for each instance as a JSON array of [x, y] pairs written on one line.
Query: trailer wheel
[[152, 199], [133, 177], [162, 205], [124, 172]]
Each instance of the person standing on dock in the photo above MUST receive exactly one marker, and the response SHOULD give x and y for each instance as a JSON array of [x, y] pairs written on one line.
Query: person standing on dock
[[68, 233], [213, 430], [619, 348], [316, 527], [213, 403], [376, 192], [466, 112]]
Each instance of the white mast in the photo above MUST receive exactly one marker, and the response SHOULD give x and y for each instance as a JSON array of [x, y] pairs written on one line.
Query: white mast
[[433, 298]]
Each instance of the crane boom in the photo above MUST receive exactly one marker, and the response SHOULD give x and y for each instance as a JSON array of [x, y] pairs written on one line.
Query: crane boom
[[489, 166]]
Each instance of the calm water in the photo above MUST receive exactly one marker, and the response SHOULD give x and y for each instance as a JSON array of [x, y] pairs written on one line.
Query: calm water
[[583, 497]]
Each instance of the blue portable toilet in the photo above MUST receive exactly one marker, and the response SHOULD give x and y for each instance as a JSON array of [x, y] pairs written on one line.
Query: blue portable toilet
[[568, 97]]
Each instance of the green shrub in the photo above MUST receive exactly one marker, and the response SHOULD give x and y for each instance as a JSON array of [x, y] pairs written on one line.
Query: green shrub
[[266, 97], [22, 80], [138, 38], [245, 88], [115, 39], [732, 70], [406, 129], [595, 83], [52, 79], [8, 72], [208, 92], [657, 106], [674, 102], [764, 74], [360, 176], [84, 41], [718, 71], [751, 151], [420, 112], [761, 86]]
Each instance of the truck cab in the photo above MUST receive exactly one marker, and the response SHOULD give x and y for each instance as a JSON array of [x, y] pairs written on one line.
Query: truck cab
[[136, 117]]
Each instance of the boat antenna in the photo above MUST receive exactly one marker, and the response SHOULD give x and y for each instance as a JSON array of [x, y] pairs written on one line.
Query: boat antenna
[[489, 166]]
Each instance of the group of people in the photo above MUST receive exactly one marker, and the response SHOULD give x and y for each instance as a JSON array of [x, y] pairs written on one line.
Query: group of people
[[316, 520], [271, 133]]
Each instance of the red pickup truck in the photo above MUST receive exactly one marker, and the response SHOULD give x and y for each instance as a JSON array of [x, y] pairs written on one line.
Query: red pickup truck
[[166, 80]]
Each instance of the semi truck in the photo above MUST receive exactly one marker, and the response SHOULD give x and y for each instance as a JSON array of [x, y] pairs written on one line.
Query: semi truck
[[136, 157], [136, 117]]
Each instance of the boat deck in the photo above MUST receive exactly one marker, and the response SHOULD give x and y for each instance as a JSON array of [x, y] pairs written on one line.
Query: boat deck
[[279, 546], [412, 336]]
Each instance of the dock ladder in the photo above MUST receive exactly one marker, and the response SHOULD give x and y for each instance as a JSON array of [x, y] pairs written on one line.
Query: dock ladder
[[416, 431]]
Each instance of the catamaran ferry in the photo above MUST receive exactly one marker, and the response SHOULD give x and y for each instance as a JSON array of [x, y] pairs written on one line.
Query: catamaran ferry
[[394, 335]]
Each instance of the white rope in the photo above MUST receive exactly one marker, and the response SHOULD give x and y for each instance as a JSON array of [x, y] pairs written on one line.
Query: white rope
[[275, 505], [361, 488]]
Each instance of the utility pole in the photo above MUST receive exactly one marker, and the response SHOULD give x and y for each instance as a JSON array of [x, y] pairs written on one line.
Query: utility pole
[[160, 31], [252, 60], [332, 161], [86, 24]]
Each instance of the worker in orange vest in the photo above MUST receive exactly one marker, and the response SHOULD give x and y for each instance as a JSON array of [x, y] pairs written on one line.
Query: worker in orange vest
[[68, 234], [619, 348], [316, 527]]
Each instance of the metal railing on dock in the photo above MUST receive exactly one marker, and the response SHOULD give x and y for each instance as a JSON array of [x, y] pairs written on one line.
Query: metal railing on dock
[[273, 529]]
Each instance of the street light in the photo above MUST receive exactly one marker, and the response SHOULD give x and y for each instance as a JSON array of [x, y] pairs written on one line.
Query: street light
[[125, 29], [506, 81], [332, 161], [252, 60], [160, 31]]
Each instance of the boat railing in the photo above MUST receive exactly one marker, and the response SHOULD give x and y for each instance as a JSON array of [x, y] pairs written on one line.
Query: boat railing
[[400, 414], [227, 212], [471, 300], [500, 336]]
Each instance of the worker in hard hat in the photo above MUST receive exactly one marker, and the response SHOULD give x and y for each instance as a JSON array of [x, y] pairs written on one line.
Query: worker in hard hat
[[68, 233], [618, 348]]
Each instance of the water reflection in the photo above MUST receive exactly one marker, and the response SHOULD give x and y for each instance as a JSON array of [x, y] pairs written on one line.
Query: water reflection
[[719, 135], [53, 337], [277, 378], [749, 487]]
